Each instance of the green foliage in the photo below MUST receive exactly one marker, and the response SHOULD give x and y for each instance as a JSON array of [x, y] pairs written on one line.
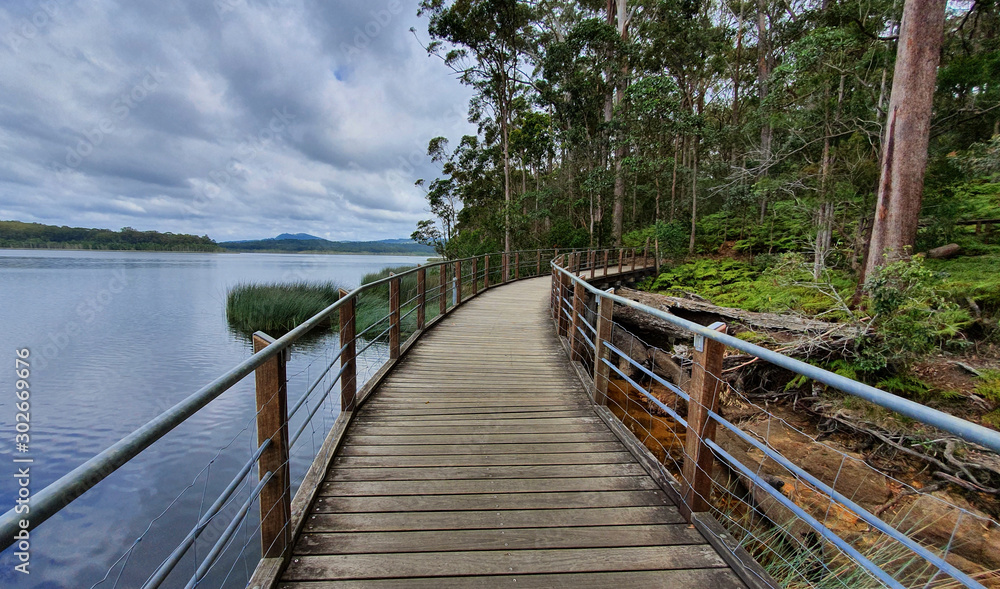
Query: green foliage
[[911, 317], [276, 308], [988, 386], [970, 277], [673, 238]]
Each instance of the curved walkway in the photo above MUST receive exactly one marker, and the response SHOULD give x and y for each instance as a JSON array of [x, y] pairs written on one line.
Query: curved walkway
[[480, 462]]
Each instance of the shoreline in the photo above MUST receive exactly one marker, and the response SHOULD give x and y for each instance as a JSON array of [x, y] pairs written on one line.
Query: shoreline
[[223, 251]]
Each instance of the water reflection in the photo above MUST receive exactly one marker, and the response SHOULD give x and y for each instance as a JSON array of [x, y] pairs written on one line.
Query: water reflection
[[116, 338]]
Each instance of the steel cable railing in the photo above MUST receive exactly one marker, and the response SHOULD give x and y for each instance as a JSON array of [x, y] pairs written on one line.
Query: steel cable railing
[[786, 516], [416, 299]]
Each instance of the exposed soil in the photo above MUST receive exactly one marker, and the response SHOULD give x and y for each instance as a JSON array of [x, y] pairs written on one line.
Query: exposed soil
[[840, 460]]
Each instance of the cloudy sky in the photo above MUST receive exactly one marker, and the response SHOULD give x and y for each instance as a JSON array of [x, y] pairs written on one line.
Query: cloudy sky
[[237, 118]]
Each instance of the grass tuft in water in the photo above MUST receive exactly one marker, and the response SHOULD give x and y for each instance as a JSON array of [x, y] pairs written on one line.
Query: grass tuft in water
[[276, 308]]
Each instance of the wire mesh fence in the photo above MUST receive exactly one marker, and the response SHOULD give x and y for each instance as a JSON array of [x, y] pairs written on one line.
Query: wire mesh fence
[[803, 511]]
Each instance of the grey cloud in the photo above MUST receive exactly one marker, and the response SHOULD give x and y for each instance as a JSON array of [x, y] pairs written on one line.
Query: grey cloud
[[363, 98]]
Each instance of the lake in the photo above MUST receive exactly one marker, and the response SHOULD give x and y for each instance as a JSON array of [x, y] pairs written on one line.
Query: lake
[[115, 339]]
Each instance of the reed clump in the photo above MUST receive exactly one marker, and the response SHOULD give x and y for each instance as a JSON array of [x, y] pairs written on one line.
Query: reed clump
[[277, 307]]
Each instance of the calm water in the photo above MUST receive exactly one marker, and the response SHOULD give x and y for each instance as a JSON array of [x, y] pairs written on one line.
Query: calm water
[[116, 338]]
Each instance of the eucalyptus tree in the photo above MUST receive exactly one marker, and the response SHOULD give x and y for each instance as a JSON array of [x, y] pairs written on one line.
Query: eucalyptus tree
[[904, 150], [483, 42]]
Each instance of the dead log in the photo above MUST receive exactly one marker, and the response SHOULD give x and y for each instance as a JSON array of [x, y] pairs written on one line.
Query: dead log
[[944, 252], [691, 309]]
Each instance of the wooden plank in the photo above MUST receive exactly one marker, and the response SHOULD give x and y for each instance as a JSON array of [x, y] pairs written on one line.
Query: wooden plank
[[518, 562], [707, 578], [421, 425], [417, 430], [507, 539], [391, 415], [454, 473], [475, 502], [493, 519], [370, 488], [483, 460], [483, 438], [477, 449]]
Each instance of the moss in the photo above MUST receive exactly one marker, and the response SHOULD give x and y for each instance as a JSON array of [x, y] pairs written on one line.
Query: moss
[[732, 283]]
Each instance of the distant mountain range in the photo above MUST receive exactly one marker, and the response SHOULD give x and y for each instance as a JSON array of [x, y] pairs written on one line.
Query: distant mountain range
[[303, 242]]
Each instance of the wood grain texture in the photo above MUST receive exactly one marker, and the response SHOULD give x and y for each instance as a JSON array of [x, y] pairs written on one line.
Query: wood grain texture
[[690, 578], [481, 457]]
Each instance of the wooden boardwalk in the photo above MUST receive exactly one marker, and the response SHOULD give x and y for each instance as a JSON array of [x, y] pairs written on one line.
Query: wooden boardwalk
[[480, 462]]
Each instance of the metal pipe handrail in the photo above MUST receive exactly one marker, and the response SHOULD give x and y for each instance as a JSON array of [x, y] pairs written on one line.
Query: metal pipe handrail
[[48, 501], [966, 430], [163, 571]]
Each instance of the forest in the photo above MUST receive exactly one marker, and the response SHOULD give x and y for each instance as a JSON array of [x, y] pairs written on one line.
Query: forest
[[834, 160], [16, 234], [750, 144]]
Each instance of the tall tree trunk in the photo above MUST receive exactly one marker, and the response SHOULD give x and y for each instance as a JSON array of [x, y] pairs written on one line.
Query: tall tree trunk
[[505, 132], [673, 181], [904, 148], [764, 65], [694, 194], [618, 212]]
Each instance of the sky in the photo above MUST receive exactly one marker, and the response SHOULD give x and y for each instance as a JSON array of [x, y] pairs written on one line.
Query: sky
[[240, 119]]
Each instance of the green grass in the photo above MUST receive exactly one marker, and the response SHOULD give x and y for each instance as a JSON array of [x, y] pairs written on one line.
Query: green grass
[[276, 308]]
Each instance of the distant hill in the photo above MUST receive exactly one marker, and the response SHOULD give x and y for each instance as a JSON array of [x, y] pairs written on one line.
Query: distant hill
[[305, 243], [302, 236]]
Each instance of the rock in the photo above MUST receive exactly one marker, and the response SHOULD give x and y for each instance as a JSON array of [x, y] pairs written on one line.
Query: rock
[[944, 252], [933, 519], [664, 366], [630, 345]]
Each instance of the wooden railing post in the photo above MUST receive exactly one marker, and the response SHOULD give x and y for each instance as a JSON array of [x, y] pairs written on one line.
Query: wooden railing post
[[421, 298], [605, 314], [575, 337], [486, 272], [506, 267], [538, 271], [517, 265], [606, 262], [394, 319], [563, 291], [592, 260], [443, 298], [272, 424], [705, 389], [552, 294], [621, 256], [475, 277], [458, 283], [348, 362]]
